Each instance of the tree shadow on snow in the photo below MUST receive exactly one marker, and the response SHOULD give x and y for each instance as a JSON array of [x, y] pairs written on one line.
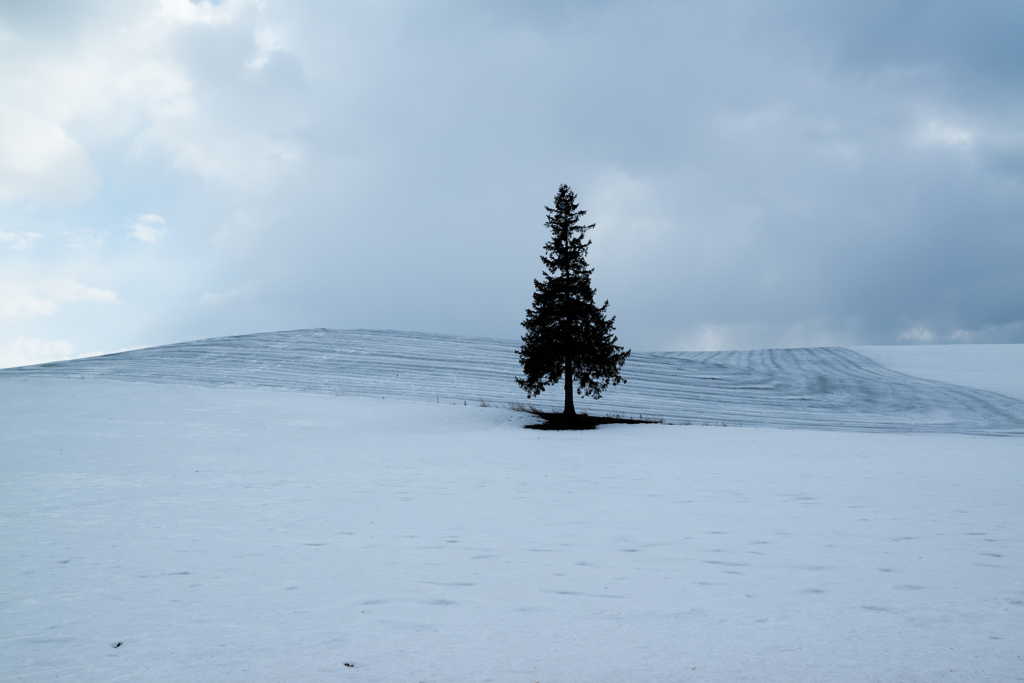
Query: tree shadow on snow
[[559, 421]]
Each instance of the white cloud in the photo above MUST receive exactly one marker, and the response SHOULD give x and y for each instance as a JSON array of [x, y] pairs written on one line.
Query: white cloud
[[20, 240], [268, 41], [25, 301], [220, 298], [706, 338], [39, 162], [110, 79], [332, 145], [917, 333], [938, 134], [25, 351], [625, 211], [243, 230], [82, 239], [203, 12], [714, 337], [122, 79], [237, 158], [145, 228]]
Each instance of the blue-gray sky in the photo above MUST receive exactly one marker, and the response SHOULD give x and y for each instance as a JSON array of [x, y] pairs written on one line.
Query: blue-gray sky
[[781, 173]]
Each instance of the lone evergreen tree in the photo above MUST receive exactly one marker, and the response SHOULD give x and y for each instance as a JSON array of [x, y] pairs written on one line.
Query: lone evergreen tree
[[567, 334]]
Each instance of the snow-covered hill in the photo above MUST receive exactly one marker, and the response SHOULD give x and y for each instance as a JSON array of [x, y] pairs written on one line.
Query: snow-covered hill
[[221, 515], [992, 367], [818, 388]]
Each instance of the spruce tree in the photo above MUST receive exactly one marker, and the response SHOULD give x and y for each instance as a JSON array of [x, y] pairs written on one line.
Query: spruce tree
[[567, 335]]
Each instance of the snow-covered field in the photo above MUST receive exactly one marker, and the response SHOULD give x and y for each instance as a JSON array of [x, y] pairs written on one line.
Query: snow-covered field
[[993, 367], [820, 388], [226, 533]]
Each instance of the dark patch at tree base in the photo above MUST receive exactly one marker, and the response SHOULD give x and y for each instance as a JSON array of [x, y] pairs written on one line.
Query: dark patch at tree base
[[560, 421]]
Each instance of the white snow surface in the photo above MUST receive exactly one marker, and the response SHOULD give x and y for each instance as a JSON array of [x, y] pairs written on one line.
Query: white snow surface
[[230, 533], [817, 388], [992, 367]]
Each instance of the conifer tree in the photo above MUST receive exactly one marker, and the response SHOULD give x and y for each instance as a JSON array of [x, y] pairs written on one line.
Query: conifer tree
[[567, 335]]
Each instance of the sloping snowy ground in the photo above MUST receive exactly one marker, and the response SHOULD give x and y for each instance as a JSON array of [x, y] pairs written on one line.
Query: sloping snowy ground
[[238, 535], [820, 388], [993, 367]]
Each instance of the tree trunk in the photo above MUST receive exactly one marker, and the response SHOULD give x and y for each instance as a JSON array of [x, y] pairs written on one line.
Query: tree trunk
[[569, 408]]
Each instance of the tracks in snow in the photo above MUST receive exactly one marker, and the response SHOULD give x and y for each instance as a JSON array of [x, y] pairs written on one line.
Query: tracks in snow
[[816, 388]]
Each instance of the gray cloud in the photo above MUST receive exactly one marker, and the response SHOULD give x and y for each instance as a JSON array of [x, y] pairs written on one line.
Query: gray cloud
[[761, 174]]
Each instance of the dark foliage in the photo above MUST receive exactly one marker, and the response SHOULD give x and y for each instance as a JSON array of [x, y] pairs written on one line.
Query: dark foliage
[[567, 334]]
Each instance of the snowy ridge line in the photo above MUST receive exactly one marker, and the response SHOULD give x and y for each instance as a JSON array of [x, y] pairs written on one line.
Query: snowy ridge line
[[812, 388]]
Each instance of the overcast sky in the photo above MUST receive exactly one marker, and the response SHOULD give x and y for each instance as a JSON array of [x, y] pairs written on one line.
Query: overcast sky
[[776, 173]]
